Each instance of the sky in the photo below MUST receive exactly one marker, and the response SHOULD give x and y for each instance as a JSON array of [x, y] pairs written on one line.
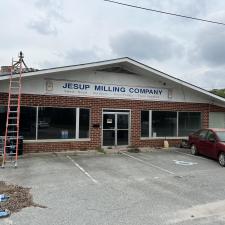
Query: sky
[[55, 33]]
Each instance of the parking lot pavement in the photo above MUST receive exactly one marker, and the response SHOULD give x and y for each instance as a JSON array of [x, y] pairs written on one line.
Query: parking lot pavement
[[156, 187]]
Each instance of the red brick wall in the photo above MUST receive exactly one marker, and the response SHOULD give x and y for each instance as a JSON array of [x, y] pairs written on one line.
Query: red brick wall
[[96, 105]]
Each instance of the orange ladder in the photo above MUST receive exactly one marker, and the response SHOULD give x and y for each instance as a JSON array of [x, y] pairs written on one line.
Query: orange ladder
[[11, 139]]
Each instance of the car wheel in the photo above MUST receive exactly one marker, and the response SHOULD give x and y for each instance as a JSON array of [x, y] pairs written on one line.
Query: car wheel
[[222, 159], [194, 150]]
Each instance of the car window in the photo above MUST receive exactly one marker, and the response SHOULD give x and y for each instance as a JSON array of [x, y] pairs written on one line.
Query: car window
[[196, 134], [202, 134], [221, 135], [210, 135]]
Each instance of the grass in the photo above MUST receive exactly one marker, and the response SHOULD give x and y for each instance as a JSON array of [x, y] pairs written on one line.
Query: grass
[[101, 150], [133, 149]]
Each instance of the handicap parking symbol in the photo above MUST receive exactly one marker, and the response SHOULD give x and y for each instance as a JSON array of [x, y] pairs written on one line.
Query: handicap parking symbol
[[183, 163]]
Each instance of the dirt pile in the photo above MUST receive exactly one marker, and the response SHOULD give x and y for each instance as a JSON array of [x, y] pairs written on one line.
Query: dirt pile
[[19, 197]]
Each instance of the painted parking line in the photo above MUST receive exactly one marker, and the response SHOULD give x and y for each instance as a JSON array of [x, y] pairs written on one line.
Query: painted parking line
[[147, 163], [82, 170]]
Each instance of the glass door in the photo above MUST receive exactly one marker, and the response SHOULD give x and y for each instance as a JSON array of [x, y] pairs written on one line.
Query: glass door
[[115, 128], [122, 129], [109, 129]]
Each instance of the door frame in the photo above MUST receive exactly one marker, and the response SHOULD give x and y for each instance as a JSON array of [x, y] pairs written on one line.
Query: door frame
[[116, 111]]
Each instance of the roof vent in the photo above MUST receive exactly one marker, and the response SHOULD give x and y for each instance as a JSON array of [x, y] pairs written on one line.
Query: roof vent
[[116, 69]]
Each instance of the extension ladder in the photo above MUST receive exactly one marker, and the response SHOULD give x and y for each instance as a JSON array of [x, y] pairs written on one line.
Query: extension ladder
[[11, 139]]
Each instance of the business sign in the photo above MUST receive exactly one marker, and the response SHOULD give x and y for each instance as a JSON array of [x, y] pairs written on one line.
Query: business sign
[[84, 89]]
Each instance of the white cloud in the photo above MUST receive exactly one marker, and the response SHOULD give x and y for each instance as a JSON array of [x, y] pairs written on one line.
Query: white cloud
[[49, 13], [143, 45], [63, 32]]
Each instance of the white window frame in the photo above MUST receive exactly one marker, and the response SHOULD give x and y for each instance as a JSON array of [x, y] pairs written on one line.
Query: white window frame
[[76, 138], [177, 127]]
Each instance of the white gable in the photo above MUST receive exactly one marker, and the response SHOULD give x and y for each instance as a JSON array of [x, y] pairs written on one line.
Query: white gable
[[121, 78]]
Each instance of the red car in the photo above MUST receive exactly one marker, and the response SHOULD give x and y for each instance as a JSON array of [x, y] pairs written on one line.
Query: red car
[[209, 142]]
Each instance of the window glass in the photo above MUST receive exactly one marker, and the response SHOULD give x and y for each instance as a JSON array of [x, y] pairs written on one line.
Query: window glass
[[144, 123], [28, 122], [3, 113], [189, 122], [164, 124], [221, 135], [210, 135], [197, 133], [84, 123], [109, 121], [122, 121], [203, 134], [56, 123]]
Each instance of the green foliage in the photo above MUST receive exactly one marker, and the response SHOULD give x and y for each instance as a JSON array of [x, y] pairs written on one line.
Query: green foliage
[[219, 92]]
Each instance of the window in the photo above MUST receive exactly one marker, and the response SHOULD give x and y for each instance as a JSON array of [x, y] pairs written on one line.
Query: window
[[189, 122], [164, 124], [50, 123], [84, 123], [3, 113], [210, 136], [56, 123], [221, 135], [28, 122], [144, 123], [202, 134], [169, 123]]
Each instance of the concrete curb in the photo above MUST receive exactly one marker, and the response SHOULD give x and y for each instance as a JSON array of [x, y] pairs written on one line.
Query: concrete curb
[[94, 152]]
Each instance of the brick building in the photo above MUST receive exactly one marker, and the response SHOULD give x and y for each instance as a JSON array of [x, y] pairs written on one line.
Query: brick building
[[119, 102]]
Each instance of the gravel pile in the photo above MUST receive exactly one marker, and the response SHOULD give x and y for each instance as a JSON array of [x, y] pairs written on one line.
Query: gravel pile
[[20, 197]]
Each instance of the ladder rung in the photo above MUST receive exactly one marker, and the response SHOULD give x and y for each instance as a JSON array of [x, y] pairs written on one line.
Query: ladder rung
[[12, 118], [12, 131], [10, 137], [13, 111], [14, 100], [15, 87], [15, 81], [10, 161], [12, 124]]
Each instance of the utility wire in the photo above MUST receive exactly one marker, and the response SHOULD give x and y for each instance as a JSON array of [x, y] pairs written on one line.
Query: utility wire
[[167, 13]]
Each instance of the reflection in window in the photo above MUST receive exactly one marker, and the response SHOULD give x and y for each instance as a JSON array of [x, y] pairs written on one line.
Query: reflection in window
[[3, 113], [28, 122], [164, 124], [56, 123], [144, 123], [53, 123], [84, 123], [189, 122]]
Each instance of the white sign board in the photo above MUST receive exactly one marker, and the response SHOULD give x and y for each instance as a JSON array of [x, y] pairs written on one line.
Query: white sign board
[[83, 89]]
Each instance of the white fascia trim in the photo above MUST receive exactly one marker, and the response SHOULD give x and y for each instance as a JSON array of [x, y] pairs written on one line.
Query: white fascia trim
[[176, 80], [69, 68], [116, 61]]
